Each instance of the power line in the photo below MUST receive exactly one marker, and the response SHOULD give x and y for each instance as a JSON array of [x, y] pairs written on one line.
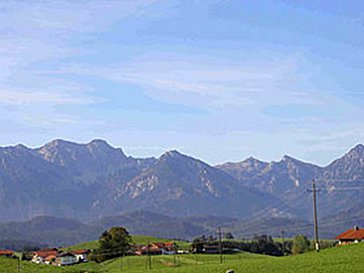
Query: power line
[[325, 180], [304, 227], [342, 189], [257, 220], [281, 205], [323, 225]]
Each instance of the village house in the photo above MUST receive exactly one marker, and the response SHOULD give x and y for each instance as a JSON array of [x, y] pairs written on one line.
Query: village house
[[39, 257], [66, 258], [353, 235], [168, 248], [81, 254], [145, 250], [139, 250], [55, 257], [50, 259], [6, 253]]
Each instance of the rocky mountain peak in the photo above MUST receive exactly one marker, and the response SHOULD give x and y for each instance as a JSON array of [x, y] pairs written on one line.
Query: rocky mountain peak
[[350, 166], [172, 155], [102, 146], [357, 151], [252, 160], [354, 156], [100, 143], [21, 147], [289, 159], [59, 143]]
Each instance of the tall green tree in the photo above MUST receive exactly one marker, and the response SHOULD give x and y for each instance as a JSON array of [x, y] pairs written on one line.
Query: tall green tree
[[300, 244], [113, 243]]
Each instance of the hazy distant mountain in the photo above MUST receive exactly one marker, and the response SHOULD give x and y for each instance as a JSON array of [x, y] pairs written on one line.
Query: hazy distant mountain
[[94, 180], [89, 181], [152, 224], [181, 185], [46, 230], [289, 179], [348, 167], [63, 179], [56, 232]]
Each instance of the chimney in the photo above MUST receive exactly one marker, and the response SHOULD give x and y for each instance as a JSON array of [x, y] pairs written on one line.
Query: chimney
[[356, 227]]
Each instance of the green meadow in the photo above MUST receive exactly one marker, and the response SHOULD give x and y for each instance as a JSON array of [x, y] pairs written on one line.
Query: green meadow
[[348, 259]]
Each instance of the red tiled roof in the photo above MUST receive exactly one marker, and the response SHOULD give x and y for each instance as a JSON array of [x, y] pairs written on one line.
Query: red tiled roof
[[6, 252], [66, 254], [45, 253], [164, 245], [50, 257], [351, 234], [80, 251], [159, 245]]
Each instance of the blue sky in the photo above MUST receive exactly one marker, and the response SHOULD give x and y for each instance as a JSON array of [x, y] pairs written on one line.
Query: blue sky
[[220, 80]]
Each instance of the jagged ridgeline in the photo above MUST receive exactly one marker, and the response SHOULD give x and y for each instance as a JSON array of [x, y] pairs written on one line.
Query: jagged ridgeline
[[90, 181]]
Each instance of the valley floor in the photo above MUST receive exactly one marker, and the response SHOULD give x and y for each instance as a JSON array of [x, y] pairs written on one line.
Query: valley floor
[[348, 259]]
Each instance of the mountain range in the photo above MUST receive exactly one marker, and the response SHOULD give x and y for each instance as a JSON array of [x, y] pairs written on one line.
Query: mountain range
[[95, 182], [341, 183]]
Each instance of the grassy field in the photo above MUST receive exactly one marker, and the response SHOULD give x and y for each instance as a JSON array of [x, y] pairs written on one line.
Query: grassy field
[[348, 259]]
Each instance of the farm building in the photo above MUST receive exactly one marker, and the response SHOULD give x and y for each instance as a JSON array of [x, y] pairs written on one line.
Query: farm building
[[6, 253], [39, 257], [58, 258], [66, 258], [81, 254], [50, 259], [353, 235], [168, 248]]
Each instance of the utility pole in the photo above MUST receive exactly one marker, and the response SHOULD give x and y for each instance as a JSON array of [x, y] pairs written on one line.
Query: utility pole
[[149, 261], [220, 244], [18, 265], [314, 197], [283, 246], [175, 255]]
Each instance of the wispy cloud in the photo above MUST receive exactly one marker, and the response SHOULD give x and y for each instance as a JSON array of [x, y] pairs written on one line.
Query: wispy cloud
[[207, 83], [259, 80], [41, 32]]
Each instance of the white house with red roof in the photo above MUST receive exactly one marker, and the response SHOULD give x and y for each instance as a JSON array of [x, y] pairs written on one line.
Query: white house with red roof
[[66, 258], [167, 248], [39, 257], [81, 254], [353, 235]]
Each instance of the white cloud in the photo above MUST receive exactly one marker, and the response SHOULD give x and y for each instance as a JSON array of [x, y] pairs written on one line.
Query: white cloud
[[43, 32], [208, 83]]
